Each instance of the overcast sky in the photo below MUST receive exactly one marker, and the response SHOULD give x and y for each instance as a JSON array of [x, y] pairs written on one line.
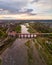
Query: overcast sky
[[25, 8]]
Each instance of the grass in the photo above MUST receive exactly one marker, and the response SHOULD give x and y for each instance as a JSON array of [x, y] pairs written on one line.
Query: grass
[[46, 56], [49, 46], [29, 30], [18, 28], [29, 52], [2, 34], [0, 61], [44, 52], [6, 44], [27, 44]]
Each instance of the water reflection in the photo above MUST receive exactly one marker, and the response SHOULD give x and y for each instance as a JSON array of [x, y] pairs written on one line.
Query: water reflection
[[24, 29]]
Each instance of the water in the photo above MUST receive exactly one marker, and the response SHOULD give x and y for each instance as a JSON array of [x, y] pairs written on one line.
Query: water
[[17, 53], [24, 29]]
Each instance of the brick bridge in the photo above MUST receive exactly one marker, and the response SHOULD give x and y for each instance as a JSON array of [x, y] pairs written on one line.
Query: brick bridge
[[31, 35]]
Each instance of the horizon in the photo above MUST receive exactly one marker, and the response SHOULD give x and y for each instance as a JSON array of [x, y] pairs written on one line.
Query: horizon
[[24, 17]]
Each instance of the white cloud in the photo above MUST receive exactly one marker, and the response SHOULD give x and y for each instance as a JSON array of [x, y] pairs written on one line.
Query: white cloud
[[40, 7], [2, 11]]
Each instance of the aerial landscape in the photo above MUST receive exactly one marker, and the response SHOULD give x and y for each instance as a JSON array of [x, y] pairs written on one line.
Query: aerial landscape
[[25, 32], [26, 49]]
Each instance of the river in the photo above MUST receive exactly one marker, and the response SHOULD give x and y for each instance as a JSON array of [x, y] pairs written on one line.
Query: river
[[17, 53], [24, 29]]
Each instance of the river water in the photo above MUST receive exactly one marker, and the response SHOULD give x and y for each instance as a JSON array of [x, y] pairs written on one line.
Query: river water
[[24, 29], [17, 53]]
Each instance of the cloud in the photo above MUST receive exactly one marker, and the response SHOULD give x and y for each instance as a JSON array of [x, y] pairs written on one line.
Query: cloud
[[25, 10], [32, 7], [42, 7], [33, 1], [2, 11], [13, 5]]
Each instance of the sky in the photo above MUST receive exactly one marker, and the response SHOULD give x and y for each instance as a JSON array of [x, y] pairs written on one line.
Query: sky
[[26, 9]]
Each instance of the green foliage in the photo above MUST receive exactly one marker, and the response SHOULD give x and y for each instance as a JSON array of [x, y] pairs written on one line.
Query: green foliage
[[49, 46], [29, 52], [0, 61], [28, 44], [18, 28], [46, 50], [41, 27], [6, 44], [1, 34]]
